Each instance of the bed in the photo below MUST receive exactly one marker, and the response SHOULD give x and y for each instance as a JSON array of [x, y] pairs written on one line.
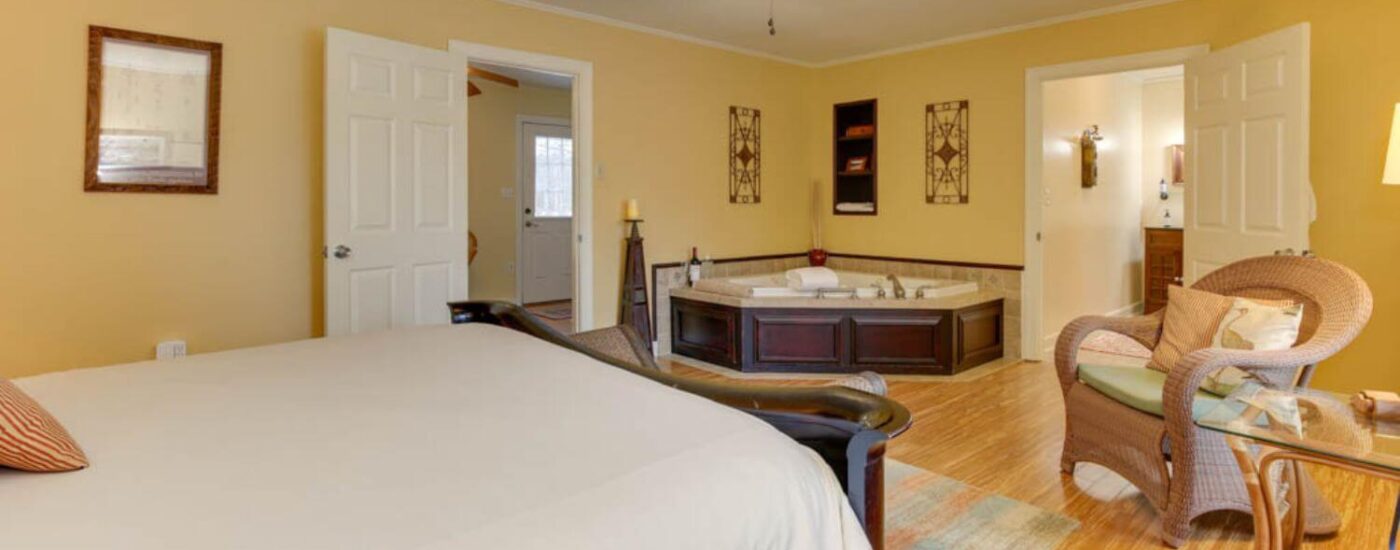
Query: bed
[[496, 433]]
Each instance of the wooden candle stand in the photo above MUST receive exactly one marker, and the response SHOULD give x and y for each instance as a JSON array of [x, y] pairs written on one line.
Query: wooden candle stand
[[632, 304]]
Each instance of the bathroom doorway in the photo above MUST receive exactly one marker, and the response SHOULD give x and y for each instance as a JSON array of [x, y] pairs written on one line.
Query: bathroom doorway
[[1111, 181], [1109, 252], [1245, 152]]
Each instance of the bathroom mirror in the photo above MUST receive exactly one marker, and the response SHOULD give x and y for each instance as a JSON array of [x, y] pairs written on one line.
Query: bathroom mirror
[[1177, 154], [153, 113]]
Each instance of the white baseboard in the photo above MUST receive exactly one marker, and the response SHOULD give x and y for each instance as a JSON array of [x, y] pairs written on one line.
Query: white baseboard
[[1048, 344], [1134, 308]]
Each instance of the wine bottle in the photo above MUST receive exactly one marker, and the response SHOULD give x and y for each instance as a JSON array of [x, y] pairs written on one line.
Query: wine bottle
[[693, 268]]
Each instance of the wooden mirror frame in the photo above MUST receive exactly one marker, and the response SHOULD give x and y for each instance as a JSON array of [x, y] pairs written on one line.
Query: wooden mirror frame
[[96, 35]]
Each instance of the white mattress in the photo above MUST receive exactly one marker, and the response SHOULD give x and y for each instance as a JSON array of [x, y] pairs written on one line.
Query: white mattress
[[468, 436]]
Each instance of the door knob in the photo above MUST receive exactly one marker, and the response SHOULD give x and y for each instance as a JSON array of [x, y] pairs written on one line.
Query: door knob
[[341, 251]]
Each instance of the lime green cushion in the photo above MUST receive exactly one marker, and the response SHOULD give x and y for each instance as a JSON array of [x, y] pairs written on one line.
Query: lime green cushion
[[1139, 388]]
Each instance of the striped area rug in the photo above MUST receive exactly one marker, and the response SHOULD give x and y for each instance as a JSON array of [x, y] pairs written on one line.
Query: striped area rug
[[926, 511]]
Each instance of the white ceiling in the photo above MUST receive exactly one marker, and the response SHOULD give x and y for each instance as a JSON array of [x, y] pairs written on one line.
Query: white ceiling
[[529, 77], [824, 32]]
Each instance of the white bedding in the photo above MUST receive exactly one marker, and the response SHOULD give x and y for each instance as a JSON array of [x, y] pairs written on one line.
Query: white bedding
[[468, 436]]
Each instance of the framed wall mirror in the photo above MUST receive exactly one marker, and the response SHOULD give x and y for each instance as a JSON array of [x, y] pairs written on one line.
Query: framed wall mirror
[[152, 113]]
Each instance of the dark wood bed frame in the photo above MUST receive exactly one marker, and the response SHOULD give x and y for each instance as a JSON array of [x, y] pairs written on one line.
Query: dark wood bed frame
[[847, 428]]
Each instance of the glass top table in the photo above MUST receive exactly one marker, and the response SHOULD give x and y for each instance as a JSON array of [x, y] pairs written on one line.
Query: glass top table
[[1330, 427], [1329, 432]]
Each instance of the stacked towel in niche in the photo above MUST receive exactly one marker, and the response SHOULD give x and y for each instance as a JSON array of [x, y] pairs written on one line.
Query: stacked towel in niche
[[812, 278], [855, 207]]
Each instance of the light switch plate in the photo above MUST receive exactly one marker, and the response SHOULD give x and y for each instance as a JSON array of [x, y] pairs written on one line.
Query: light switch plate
[[507, 192]]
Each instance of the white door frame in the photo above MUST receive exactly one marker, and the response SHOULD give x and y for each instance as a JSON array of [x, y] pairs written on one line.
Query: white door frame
[[520, 183], [582, 124], [1033, 278]]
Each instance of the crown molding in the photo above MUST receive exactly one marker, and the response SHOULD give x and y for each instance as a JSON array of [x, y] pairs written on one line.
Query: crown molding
[[604, 20], [1047, 22], [575, 14]]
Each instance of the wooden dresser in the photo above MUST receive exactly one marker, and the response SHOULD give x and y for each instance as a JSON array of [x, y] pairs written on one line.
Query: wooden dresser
[[1161, 266]]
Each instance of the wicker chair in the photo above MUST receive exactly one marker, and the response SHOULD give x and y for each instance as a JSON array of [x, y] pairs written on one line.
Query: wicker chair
[[1203, 475]]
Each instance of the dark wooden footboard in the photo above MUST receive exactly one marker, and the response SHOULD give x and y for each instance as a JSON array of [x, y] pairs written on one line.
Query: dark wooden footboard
[[847, 428]]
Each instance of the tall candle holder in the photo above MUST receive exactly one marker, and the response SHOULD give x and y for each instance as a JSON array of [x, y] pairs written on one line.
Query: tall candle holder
[[633, 309]]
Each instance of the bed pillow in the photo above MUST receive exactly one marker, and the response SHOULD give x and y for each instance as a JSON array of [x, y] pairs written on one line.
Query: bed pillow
[[30, 438]]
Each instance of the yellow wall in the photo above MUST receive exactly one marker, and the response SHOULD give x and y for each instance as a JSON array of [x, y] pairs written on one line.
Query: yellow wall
[[1356, 82], [95, 278], [91, 279], [492, 135]]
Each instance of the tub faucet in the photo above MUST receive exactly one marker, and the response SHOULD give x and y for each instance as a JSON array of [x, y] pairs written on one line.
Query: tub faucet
[[898, 288]]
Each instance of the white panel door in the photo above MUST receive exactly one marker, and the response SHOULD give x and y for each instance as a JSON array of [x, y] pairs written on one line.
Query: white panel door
[[395, 182], [547, 175], [1247, 192]]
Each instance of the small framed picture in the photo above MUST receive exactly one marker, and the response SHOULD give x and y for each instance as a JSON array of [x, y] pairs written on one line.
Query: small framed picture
[[152, 113], [857, 164]]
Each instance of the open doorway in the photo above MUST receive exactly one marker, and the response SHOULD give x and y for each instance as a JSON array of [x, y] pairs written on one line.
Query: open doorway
[[1245, 157], [573, 312], [1112, 182], [521, 186], [1037, 332]]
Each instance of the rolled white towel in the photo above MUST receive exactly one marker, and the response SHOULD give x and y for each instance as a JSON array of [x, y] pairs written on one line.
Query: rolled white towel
[[812, 278], [855, 207]]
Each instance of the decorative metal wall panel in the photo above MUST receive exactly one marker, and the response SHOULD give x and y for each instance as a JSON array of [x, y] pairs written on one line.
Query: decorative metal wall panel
[[744, 158], [946, 153]]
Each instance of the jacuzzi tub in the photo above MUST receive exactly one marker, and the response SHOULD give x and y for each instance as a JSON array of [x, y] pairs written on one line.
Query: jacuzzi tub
[[857, 285], [757, 324]]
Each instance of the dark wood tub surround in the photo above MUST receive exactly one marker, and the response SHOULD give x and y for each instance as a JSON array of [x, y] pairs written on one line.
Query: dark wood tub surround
[[790, 339], [847, 428]]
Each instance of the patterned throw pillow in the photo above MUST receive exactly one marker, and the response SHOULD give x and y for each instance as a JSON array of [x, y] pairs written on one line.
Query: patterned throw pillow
[[1196, 319], [1257, 325], [30, 438]]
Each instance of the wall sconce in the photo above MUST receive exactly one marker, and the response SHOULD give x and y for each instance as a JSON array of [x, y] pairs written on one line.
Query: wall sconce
[[1089, 157], [1178, 161]]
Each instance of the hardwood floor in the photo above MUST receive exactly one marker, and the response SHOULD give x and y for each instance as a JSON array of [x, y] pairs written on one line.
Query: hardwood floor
[[565, 326], [1003, 433]]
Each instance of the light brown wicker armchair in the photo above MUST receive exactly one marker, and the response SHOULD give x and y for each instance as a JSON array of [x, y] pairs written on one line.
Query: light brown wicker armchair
[[1203, 476]]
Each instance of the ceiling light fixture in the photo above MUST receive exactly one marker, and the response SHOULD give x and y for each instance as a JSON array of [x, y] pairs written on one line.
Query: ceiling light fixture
[[772, 31]]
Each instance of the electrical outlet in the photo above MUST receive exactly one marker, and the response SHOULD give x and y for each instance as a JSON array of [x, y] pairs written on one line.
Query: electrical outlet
[[170, 349]]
